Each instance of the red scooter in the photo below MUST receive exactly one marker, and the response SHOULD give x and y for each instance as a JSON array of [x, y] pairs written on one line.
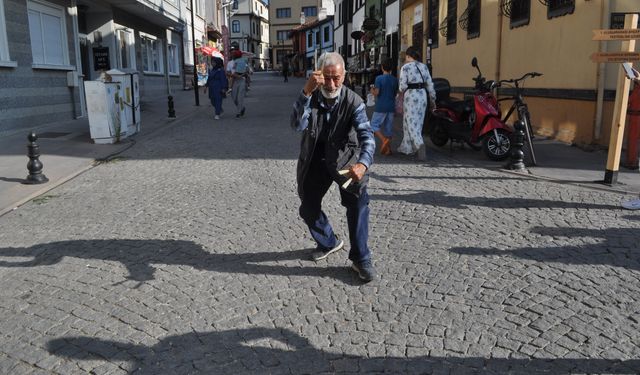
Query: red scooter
[[475, 121]]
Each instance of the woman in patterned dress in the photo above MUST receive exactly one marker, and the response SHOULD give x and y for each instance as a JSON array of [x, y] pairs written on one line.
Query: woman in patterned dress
[[414, 79]]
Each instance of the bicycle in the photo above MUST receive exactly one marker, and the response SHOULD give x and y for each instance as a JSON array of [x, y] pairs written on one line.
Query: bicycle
[[522, 108]]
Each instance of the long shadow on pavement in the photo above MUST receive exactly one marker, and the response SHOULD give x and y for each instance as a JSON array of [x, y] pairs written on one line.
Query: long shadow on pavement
[[138, 256], [618, 248], [279, 351], [442, 199]]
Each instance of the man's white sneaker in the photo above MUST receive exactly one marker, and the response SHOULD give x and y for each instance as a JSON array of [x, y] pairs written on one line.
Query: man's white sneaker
[[319, 253]]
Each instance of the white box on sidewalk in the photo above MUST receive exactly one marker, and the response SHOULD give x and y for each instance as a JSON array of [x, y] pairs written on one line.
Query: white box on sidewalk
[[106, 111], [130, 94]]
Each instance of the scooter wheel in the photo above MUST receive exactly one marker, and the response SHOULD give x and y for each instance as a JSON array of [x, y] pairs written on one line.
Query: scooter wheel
[[497, 147], [438, 135]]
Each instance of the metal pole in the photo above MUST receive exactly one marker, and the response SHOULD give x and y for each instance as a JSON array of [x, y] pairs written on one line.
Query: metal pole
[[345, 31], [196, 89]]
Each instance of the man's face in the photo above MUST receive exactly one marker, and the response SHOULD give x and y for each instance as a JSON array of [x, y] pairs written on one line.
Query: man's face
[[333, 78]]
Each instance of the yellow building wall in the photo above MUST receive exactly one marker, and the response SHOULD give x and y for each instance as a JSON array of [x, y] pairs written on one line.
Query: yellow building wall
[[559, 48], [406, 26]]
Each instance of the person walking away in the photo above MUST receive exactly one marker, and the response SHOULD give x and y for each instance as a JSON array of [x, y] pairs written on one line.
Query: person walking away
[[248, 76], [384, 89], [285, 69], [239, 86], [415, 83], [217, 85], [337, 146], [229, 71]]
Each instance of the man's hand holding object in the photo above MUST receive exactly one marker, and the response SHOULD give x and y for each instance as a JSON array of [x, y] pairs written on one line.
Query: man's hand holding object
[[356, 172], [316, 79]]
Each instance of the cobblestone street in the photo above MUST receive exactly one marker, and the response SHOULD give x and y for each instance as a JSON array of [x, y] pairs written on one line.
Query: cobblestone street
[[186, 254]]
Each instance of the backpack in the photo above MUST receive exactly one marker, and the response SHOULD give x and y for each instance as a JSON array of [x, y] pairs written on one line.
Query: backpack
[[241, 65]]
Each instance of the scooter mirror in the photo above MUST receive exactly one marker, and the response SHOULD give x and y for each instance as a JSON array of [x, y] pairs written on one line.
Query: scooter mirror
[[474, 62]]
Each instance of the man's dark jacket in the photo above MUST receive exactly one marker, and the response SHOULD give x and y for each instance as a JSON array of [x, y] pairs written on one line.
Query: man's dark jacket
[[342, 148]]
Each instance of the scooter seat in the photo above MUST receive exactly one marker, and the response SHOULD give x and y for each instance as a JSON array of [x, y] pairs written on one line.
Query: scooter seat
[[459, 106]]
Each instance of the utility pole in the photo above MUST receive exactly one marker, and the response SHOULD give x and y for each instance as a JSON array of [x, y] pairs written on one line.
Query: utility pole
[[345, 19], [196, 89]]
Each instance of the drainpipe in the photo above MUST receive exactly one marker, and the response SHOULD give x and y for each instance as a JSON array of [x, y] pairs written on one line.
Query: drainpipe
[[499, 46], [76, 46], [605, 8]]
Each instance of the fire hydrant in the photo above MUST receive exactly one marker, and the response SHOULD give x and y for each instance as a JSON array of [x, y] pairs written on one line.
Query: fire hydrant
[[633, 135]]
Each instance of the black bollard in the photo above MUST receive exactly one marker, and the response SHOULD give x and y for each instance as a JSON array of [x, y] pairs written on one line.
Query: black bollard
[[34, 165], [517, 155], [172, 111]]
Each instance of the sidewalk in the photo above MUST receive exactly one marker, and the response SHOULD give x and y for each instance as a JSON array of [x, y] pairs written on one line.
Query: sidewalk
[[558, 162], [67, 150]]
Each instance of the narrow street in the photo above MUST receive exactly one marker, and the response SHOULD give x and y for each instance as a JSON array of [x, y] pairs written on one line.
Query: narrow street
[[186, 254]]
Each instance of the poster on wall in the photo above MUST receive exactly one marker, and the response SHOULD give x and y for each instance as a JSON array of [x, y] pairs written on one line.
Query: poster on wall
[[101, 58], [617, 20], [417, 14]]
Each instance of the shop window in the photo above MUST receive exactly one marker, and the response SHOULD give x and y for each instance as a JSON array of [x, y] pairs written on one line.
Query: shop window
[[282, 35], [48, 32], [473, 19], [283, 12], [4, 42], [326, 36], [452, 21], [151, 54], [172, 56], [126, 50], [434, 22], [520, 13], [199, 4], [280, 55], [416, 35], [310, 11], [309, 40], [557, 8]]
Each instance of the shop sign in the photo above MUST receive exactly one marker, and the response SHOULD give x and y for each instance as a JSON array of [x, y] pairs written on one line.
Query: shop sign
[[101, 59]]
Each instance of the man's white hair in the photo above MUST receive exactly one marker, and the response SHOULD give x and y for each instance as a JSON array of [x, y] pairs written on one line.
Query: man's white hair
[[330, 59]]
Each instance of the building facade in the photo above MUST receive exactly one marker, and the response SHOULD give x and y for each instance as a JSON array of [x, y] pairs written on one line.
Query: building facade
[[310, 40], [249, 28], [285, 15], [573, 100], [48, 48]]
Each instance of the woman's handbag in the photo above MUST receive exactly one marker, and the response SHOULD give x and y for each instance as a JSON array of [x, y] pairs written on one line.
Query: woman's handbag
[[399, 102]]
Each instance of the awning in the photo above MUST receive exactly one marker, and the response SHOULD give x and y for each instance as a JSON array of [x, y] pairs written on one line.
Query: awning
[[210, 51]]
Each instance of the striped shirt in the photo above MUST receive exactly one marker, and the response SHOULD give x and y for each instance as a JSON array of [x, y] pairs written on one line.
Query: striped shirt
[[360, 122]]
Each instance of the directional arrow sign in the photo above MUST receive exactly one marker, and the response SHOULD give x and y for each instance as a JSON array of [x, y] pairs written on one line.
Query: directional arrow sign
[[616, 34], [615, 57]]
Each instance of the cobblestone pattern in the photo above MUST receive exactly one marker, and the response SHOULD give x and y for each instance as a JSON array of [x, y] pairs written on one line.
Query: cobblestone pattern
[[187, 256]]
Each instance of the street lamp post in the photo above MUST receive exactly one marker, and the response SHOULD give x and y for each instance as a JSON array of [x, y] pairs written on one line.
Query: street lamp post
[[195, 66]]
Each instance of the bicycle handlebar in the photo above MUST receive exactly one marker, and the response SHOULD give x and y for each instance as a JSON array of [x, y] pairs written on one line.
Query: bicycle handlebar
[[527, 75]]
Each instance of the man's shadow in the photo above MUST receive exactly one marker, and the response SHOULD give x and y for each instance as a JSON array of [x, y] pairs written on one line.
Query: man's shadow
[[138, 256], [618, 247], [272, 350]]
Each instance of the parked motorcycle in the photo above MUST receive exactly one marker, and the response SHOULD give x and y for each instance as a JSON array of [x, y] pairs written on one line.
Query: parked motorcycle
[[475, 121]]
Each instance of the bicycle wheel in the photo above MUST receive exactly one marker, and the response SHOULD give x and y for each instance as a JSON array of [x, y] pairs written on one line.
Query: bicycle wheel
[[523, 115]]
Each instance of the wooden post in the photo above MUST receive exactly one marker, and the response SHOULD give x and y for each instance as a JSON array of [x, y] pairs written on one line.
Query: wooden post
[[620, 110]]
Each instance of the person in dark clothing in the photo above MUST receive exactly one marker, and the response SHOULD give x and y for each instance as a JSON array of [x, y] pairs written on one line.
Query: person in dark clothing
[[217, 85], [337, 146], [285, 69]]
